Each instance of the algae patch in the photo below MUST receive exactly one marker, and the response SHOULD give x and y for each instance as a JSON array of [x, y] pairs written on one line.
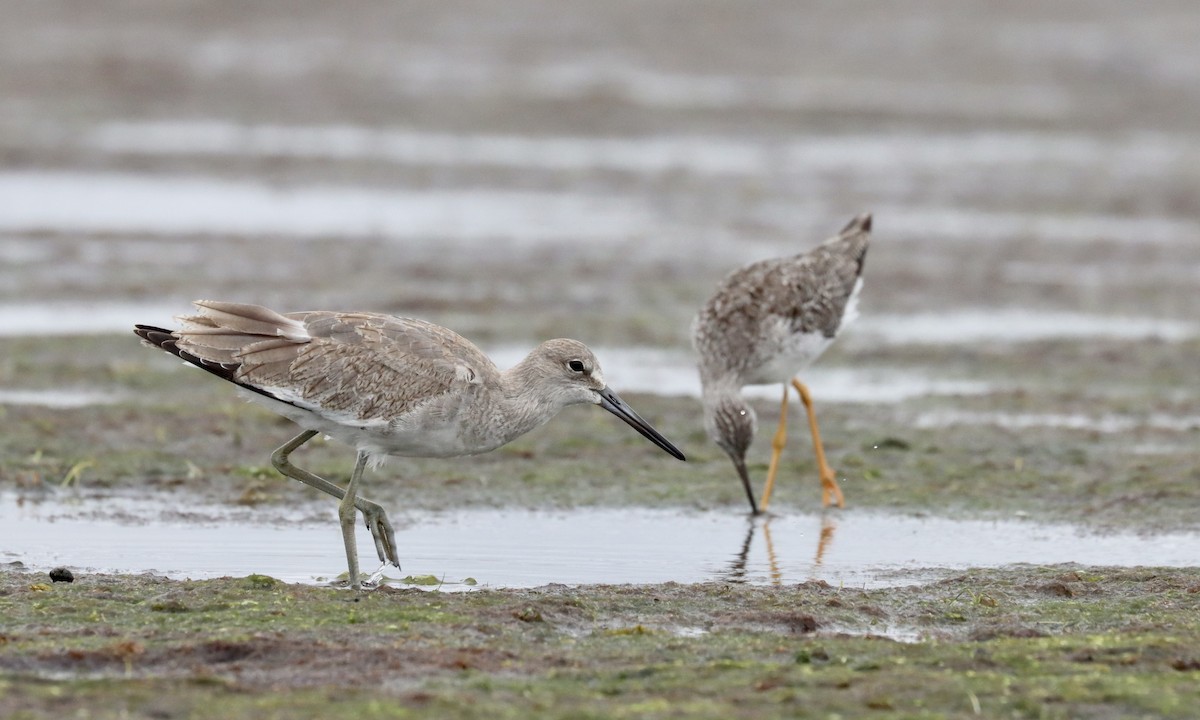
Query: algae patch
[[1022, 641]]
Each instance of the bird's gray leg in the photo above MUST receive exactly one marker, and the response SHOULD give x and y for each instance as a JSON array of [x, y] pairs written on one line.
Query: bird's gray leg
[[346, 514], [373, 513]]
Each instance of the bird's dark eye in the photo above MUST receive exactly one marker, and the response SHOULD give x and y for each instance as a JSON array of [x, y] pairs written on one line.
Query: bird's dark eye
[[576, 365]]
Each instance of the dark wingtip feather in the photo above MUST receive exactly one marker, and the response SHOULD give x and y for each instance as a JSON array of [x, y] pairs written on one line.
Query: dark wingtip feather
[[165, 340], [860, 223], [154, 336], [860, 226]]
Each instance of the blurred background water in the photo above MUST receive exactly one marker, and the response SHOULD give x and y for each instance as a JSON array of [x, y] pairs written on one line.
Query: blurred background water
[[439, 158], [536, 168]]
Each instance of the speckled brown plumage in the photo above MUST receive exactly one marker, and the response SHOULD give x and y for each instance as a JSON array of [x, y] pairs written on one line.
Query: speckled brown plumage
[[765, 323], [757, 311]]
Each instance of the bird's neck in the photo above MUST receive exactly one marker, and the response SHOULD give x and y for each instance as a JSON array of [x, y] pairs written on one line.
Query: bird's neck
[[714, 386], [522, 404]]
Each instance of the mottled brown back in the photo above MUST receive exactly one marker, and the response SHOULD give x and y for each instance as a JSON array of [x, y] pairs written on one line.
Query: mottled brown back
[[736, 330], [367, 365]]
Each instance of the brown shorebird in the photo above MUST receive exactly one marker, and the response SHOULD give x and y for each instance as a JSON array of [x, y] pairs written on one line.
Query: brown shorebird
[[765, 323], [385, 386]]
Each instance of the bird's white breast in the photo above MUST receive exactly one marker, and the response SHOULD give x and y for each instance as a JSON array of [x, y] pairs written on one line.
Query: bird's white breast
[[795, 351]]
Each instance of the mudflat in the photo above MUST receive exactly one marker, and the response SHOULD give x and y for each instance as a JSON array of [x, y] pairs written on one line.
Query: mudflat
[[531, 170]]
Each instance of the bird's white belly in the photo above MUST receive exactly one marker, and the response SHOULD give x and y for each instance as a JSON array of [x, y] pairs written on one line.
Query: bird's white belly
[[796, 353], [416, 436]]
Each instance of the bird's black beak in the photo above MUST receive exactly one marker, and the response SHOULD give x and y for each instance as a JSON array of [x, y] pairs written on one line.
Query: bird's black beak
[[740, 464], [613, 403]]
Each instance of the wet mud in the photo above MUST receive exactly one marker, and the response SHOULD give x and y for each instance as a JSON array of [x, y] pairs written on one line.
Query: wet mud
[[531, 170], [1007, 641]]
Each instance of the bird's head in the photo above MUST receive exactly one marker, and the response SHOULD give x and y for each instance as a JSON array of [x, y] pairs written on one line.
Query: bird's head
[[569, 373], [731, 424], [567, 370]]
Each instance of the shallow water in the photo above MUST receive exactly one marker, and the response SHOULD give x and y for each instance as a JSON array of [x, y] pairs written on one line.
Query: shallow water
[[963, 326], [527, 548], [190, 205], [968, 326], [657, 153], [122, 203], [1107, 423], [58, 398]]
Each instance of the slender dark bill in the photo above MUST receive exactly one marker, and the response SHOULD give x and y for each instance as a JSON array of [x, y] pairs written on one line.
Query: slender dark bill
[[612, 402], [745, 476]]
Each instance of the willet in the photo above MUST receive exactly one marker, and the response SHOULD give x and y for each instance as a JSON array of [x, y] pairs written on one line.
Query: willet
[[385, 386], [765, 323]]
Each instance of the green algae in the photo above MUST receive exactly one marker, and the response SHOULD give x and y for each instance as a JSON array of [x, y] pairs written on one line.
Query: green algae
[[1050, 642]]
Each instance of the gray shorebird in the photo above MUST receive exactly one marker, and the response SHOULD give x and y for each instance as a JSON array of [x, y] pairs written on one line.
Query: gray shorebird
[[385, 386], [765, 323]]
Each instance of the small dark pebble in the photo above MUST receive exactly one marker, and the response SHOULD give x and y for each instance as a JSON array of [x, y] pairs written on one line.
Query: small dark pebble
[[61, 574]]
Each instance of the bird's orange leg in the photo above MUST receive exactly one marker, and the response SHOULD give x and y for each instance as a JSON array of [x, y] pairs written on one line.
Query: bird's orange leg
[[829, 486], [777, 444]]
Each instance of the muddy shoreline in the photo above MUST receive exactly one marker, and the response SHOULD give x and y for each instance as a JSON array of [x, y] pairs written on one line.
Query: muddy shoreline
[[538, 169], [1056, 639]]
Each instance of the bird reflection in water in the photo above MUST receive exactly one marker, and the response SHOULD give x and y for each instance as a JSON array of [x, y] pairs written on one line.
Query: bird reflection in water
[[738, 571]]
